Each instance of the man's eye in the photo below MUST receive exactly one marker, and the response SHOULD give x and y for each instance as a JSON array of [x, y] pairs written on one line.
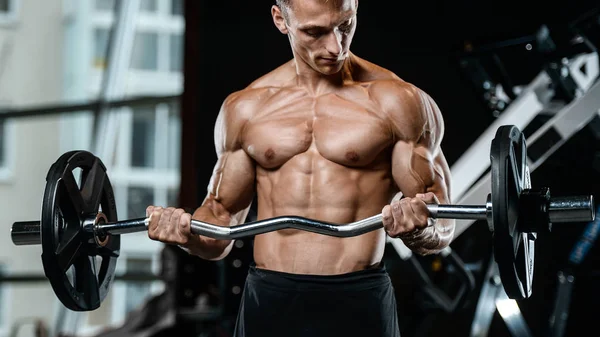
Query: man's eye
[[313, 33]]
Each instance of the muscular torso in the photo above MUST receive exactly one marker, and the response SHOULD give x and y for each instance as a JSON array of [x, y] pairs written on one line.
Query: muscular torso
[[324, 157]]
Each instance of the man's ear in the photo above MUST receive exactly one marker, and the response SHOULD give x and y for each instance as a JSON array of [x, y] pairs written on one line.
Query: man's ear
[[278, 19]]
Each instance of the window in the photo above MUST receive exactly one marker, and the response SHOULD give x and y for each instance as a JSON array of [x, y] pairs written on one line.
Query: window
[[157, 45], [5, 302], [143, 137], [137, 292], [144, 55], [5, 6], [147, 162], [8, 11], [2, 145], [144, 169], [176, 52], [6, 147], [101, 37], [173, 197], [138, 199], [148, 6], [105, 5], [177, 7], [173, 143], [2, 297]]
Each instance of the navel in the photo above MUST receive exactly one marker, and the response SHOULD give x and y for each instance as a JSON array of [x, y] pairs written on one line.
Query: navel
[[352, 156]]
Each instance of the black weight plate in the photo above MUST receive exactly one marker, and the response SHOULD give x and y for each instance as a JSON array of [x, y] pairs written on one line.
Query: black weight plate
[[513, 249], [80, 271]]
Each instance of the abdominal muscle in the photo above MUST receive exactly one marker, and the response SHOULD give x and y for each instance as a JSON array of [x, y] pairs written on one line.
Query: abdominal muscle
[[328, 192]]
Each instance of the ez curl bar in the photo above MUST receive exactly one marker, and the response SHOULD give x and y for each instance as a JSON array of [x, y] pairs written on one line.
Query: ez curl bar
[[80, 223]]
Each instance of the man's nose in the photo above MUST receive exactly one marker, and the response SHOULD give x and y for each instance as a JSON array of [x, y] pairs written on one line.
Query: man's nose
[[334, 43]]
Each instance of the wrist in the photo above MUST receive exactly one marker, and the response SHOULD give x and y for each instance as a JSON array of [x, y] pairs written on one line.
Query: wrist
[[418, 234], [206, 248], [194, 244]]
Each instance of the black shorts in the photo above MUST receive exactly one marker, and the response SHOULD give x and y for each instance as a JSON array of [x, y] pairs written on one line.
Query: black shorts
[[280, 304]]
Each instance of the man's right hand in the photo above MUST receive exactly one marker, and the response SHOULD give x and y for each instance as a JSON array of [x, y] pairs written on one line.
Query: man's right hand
[[171, 225]]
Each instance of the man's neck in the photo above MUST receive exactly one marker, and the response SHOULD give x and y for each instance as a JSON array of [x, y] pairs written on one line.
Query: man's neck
[[317, 83]]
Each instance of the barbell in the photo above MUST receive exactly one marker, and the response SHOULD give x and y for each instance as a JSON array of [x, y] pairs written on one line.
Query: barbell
[[79, 222]]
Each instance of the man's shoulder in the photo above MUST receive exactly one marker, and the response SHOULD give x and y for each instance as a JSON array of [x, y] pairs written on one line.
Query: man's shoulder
[[395, 92], [275, 79], [248, 97], [367, 71], [382, 80], [259, 90], [409, 108]]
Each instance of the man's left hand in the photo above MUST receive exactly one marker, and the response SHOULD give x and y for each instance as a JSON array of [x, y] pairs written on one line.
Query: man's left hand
[[405, 216]]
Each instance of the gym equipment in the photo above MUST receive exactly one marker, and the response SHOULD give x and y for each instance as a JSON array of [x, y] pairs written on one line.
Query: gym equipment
[[566, 278], [79, 223]]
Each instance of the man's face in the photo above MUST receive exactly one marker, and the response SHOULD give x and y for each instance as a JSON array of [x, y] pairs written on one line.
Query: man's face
[[320, 32]]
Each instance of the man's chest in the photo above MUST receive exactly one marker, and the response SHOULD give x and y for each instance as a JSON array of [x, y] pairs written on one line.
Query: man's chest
[[350, 132]]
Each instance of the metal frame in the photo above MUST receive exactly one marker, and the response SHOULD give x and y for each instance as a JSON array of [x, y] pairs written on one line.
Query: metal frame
[[49, 110], [566, 122], [120, 47], [476, 159], [493, 298], [534, 99], [560, 315]]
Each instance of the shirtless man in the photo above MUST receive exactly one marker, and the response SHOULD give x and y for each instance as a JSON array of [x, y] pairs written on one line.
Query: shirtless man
[[331, 137]]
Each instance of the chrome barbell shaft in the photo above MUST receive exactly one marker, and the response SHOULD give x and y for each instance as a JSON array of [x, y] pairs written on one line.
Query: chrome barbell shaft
[[28, 233], [572, 209], [295, 222], [346, 230], [559, 209]]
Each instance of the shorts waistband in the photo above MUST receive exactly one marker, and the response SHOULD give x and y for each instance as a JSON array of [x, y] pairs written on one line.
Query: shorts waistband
[[362, 279]]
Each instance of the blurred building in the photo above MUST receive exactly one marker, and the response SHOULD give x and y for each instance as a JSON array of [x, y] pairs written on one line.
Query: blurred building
[[58, 53]]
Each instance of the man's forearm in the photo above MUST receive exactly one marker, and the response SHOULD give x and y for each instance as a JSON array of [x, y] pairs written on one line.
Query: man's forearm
[[209, 248], [430, 240]]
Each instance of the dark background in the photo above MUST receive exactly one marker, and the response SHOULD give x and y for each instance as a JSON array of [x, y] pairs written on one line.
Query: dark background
[[231, 43]]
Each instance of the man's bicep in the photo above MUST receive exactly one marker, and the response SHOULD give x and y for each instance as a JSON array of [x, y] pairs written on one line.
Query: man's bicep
[[418, 169], [232, 186], [233, 180]]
